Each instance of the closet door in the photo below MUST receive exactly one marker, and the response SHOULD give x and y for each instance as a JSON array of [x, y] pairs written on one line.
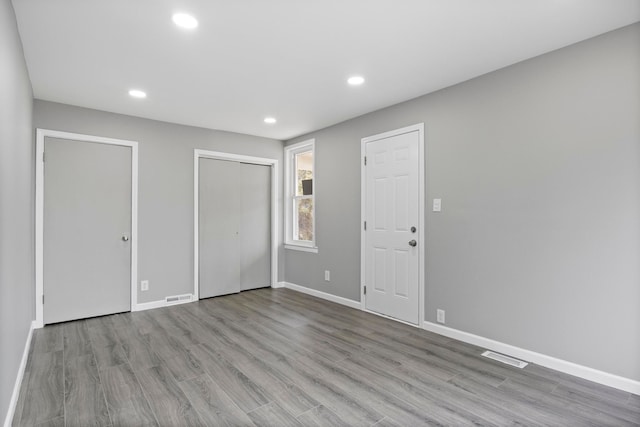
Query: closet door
[[219, 246], [255, 230], [234, 227]]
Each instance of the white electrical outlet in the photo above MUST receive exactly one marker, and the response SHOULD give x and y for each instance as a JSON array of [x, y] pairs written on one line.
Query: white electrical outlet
[[440, 316], [327, 276], [144, 285], [437, 205]]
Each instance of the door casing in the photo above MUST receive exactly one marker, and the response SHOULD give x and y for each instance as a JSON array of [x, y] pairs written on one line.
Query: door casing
[[41, 134], [198, 154], [421, 217]]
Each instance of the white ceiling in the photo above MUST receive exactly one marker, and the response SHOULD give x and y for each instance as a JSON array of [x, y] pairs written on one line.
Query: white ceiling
[[289, 59]]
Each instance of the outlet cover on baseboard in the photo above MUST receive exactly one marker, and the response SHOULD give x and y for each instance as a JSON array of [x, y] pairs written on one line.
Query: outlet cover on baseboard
[[440, 316]]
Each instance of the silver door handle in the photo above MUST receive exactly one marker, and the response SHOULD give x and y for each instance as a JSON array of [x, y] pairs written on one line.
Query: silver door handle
[[412, 243], [125, 238]]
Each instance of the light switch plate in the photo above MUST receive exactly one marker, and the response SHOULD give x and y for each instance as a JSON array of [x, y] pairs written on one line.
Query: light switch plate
[[437, 205]]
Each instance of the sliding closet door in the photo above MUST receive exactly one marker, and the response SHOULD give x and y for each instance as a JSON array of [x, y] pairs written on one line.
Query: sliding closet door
[[219, 227], [255, 232], [234, 239]]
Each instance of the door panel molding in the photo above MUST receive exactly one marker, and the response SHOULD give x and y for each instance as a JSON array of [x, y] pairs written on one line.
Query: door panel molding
[[218, 155], [421, 215], [41, 134]]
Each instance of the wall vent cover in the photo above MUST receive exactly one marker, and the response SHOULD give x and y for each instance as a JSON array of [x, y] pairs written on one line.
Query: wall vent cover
[[177, 299], [505, 359]]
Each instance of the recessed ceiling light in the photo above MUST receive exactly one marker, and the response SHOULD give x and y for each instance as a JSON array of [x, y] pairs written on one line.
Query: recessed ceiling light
[[137, 93], [184, 20], [270, 120], [355, 80]]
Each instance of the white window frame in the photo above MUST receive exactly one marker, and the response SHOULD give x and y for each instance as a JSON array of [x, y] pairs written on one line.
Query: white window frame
[[290, 186]]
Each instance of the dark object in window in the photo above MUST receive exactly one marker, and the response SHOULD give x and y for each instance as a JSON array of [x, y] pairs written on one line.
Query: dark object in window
[[307, 187]]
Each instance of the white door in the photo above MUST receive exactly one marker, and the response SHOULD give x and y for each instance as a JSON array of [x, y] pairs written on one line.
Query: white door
[[391, 261], [219, 245], [234, 227], [255, 226], [86, 229]]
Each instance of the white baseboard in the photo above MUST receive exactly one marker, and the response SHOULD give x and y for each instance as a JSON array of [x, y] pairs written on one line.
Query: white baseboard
[[16, 388], [278, 285], [158, 304], [601, 377], [329, 297]]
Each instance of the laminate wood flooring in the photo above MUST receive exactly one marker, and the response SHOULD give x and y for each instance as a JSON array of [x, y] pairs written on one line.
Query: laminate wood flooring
[[275, 357]]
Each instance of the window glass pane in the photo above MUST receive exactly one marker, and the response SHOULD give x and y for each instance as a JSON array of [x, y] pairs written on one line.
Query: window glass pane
[[304, 173], [304, 219]]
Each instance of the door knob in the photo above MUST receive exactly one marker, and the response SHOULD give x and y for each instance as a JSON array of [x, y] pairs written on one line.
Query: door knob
[[412, 243], [125, 238]]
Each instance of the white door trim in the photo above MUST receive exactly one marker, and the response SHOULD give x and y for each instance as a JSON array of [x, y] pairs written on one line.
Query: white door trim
[[421, 212], [39, 214], [218, 155]]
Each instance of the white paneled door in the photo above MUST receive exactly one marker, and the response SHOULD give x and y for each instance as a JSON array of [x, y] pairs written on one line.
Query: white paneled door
[[391, 253]]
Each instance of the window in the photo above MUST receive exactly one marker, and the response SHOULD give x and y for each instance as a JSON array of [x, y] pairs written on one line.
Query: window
[[300, 184]]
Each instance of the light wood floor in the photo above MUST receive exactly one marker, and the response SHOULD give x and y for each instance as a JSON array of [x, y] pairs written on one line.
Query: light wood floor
[[278, 357]]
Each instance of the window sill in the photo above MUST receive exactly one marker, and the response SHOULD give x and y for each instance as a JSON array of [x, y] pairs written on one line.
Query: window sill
[[312, 249]]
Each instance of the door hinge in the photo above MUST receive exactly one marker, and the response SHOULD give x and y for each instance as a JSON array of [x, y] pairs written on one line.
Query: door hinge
[[43, 157], [365, 290], [43, 299], [365, 225], [365, 160]]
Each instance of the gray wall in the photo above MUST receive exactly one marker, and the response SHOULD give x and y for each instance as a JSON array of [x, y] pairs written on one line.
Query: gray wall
[[16, 204], [165, 184], [538, 168]]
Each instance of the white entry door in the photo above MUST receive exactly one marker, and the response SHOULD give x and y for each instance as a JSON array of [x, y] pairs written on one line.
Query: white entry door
[[86, 229], [391, 242]]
